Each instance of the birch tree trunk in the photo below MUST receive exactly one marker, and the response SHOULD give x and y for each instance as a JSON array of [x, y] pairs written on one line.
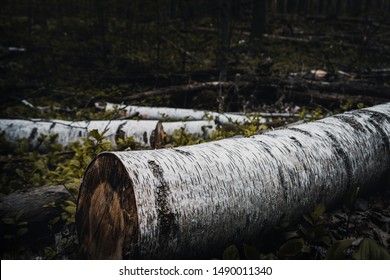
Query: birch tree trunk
[[175, 114], [192, 201], [146, 133]]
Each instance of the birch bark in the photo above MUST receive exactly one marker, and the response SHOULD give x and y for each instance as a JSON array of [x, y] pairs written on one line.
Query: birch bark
[[144, 132], [175, 114], [192, 201]]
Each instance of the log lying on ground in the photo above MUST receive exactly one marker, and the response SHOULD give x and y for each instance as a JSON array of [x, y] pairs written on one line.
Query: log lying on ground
[[177, 114], [146, 133], [34, 202], [192, 201]]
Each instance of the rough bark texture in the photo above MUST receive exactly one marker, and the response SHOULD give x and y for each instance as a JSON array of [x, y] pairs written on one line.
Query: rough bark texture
[[193, 201], [146, 133]]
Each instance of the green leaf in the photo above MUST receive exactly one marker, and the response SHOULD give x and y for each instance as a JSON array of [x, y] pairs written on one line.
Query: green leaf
[[251, 252], [292, 248], [70, 203], [22, 231], [94, 133], [308, 219], [19, 172], [19, 214], [8, 221], [369, 249], [54, 220], [231, 253], [338, 250], [70, 209], [318, 211], [308, 232], [8, 237]]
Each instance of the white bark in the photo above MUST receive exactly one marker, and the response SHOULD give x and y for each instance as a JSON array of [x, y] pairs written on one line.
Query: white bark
[[143, 131], [175, 114], [192, 201]]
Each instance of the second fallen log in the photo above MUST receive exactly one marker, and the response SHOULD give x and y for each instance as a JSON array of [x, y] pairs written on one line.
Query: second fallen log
[[191, 201], [146, 133]]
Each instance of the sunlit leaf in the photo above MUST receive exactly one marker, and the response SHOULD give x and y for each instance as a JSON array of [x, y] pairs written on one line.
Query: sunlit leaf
[[95, 134]]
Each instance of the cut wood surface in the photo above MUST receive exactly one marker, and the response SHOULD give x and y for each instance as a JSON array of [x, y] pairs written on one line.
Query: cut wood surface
[[194, 201], [147, 133]]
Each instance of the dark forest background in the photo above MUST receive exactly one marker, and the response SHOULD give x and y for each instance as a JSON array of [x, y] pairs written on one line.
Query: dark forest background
[[73, 51]]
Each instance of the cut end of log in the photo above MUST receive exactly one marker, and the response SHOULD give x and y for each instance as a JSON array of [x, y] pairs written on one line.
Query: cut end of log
[[107, 215]]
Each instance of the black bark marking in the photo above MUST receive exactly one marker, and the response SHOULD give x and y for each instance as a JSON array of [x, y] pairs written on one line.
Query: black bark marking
[[270, 135], [296, 141], [33, 134], [183, 152], [168, 226], [376, 119], [350, 120], [120, 134], [283, 183], [344, 156], [267, 148], [384, 137], [380, 117], [152, 138], [301, 131], [52, 126], [145, 137]]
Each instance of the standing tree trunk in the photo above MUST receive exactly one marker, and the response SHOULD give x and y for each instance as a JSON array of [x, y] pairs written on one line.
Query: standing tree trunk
[[193, 201], [258, 20], [224, 38]]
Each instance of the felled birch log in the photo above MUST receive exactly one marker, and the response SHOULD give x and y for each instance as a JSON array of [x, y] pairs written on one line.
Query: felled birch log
[[147, 133], [175, 114], [192, 201]]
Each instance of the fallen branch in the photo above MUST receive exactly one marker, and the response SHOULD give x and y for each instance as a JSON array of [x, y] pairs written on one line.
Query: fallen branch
[[178, 89], [193, 201], [369, 94]]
